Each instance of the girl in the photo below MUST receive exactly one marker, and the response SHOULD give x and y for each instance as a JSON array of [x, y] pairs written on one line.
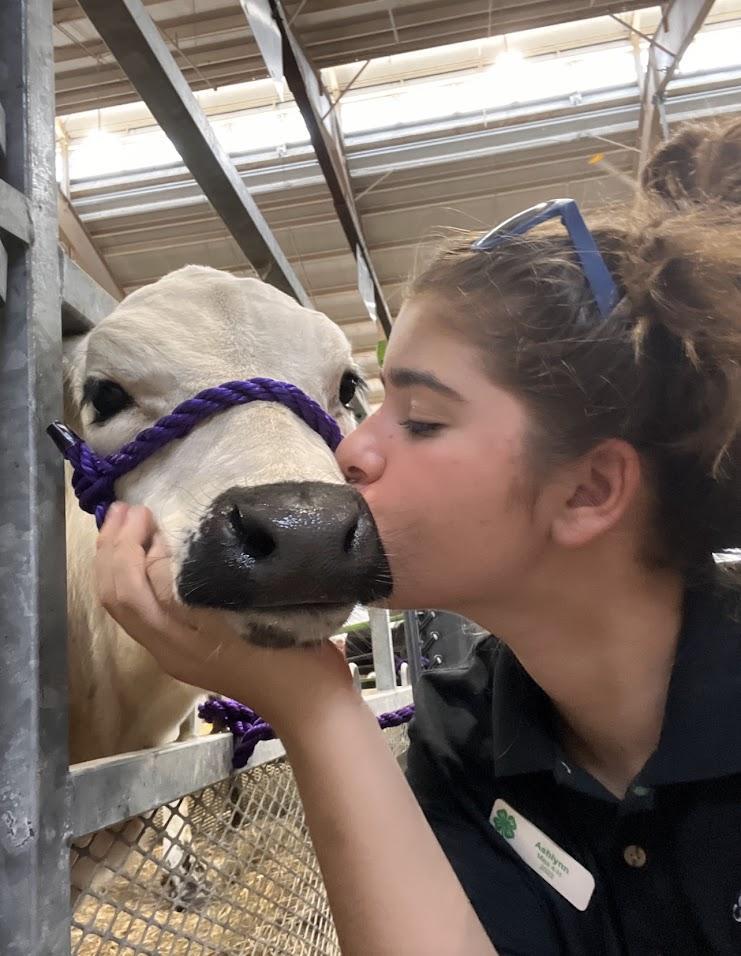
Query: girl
[[556, 458]]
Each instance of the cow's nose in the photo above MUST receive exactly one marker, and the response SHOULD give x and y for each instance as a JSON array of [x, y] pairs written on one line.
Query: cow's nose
[[285, 544]]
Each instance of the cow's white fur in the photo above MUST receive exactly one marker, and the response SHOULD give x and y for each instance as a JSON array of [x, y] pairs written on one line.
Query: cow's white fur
[[195, 328]]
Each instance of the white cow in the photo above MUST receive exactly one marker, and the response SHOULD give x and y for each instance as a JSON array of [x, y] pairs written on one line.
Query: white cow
[[252, 503]]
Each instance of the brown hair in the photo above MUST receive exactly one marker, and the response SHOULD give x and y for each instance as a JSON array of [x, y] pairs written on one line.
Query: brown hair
[[663, 372]]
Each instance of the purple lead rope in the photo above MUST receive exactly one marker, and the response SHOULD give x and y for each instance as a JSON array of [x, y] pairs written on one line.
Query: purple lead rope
[[94, 476], [249, 729]]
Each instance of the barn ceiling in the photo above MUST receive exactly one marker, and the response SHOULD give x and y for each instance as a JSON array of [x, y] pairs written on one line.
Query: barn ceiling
[[467, 170], [214, 48]]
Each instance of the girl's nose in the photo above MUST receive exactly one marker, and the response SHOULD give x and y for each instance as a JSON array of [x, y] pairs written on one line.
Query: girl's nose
[[358, 456]]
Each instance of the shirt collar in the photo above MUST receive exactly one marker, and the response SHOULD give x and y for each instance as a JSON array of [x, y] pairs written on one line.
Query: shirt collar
[[701, 735], [522, 735]]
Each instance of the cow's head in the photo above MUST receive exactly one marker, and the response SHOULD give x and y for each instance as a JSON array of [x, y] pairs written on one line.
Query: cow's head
[[252, 503]]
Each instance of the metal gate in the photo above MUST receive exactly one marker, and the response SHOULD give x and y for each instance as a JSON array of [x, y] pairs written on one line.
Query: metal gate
[[213, 864], [228, 869]]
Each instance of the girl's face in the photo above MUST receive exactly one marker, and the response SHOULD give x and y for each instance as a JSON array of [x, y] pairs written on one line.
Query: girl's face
[[443, 468]]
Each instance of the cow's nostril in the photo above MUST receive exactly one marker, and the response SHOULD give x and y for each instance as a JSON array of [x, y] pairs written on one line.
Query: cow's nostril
[[252, 535]]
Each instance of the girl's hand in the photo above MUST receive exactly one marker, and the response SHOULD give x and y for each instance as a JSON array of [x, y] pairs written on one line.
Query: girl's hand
[[285, 686]]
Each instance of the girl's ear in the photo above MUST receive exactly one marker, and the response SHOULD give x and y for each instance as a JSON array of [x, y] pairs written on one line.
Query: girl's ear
[[600, 489]]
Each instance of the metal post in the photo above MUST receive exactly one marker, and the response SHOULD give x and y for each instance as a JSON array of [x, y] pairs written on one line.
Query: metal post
[[84, 302], [82, 248], [681, 19], [323, 126], [660, 107], [450, 638], [383, 649], [34, 805], [414, 653]]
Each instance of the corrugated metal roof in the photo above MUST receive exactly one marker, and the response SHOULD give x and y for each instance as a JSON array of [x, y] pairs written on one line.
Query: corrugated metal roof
[[213, 45], [468, 171]]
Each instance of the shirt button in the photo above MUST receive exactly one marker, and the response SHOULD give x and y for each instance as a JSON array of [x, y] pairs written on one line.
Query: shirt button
[[634, 855]]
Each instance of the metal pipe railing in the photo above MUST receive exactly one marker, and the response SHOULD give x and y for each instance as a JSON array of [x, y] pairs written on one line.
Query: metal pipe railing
[[34, 792]]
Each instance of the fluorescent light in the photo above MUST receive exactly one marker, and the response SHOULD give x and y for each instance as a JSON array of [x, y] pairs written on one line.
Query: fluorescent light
[[512, 79], [509, 59]]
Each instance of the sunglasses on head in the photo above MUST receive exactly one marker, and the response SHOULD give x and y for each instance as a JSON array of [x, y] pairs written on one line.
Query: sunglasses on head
[[604, 289]]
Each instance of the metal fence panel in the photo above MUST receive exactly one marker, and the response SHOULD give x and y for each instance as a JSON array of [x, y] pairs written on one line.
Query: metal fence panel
[[34, 886], [111, 789], [226, 871]]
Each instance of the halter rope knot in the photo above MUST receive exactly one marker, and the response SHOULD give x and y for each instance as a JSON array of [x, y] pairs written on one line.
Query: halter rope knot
[[94, 476], [249, 729]]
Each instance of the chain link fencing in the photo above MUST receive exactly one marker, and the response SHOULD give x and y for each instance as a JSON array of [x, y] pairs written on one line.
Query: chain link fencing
[[226, 871]]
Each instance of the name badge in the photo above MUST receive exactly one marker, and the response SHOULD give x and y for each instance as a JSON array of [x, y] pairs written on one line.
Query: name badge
[[554, 865]]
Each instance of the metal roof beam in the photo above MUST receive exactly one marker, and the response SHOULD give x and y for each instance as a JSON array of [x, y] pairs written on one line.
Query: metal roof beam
[[214, 40], [680, 22], [321, 122], [135, 42]]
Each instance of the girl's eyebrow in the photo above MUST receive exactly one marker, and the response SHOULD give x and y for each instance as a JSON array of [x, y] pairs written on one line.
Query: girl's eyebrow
[[409, 377]]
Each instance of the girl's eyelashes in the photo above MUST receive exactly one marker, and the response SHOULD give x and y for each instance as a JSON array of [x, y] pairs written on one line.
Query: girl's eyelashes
[[421, 429]]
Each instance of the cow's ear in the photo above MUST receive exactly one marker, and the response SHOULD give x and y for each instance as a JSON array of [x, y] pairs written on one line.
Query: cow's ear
[[74, 351]]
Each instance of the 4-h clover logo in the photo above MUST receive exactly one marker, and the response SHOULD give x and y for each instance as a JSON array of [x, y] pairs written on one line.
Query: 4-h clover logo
[[505, 824]]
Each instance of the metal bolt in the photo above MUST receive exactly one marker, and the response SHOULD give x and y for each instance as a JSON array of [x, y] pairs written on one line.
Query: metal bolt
[[437, 660]]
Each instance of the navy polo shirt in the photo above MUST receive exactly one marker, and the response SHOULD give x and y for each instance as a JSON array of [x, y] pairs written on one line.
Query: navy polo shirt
[[666, 859]]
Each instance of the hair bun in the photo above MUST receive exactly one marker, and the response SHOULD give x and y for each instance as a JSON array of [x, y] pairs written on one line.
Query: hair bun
[[700, 164]]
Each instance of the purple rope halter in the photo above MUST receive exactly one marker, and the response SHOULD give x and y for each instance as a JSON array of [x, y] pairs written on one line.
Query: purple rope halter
[[249, 729], [94, 476]]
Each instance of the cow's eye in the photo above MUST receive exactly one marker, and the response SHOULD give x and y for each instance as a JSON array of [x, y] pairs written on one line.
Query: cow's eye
[[106, 397], [350, 384]]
